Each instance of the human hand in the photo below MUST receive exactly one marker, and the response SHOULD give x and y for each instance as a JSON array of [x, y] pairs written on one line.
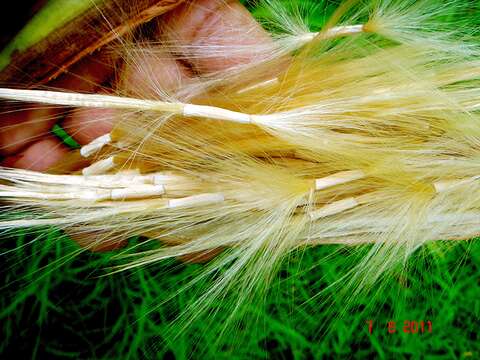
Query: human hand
[[26, 140]]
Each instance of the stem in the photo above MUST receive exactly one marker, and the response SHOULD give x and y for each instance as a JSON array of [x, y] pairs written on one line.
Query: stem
[[334, 208], [125, 103], [338, 179], [100, 167], [196, 200], [446, 185], [335, 32], [88, 100], [96, 145]]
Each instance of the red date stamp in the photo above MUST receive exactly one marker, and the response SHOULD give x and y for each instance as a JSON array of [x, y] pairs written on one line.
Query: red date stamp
[[407, 327]]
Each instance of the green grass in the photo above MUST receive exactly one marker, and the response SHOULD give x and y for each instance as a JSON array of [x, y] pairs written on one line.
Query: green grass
[[57, 305], [57, 302]]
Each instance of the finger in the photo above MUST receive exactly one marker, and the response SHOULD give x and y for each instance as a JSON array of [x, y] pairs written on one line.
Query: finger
[[150, 73], [88, 74], [85, 125], [39, 156], [205, 27], [22, 128], [153, 72]]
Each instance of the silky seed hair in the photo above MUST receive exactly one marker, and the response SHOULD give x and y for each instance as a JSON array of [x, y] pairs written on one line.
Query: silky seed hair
[[363, 133]]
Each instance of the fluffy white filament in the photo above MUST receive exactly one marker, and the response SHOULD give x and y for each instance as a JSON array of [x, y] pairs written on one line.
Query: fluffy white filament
[[95, 146]]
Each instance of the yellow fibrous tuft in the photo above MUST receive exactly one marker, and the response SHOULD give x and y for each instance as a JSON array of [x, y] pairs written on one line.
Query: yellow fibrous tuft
[[368, 138]]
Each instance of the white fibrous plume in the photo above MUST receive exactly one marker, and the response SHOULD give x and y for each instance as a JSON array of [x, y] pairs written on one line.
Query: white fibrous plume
[[363, 132]]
